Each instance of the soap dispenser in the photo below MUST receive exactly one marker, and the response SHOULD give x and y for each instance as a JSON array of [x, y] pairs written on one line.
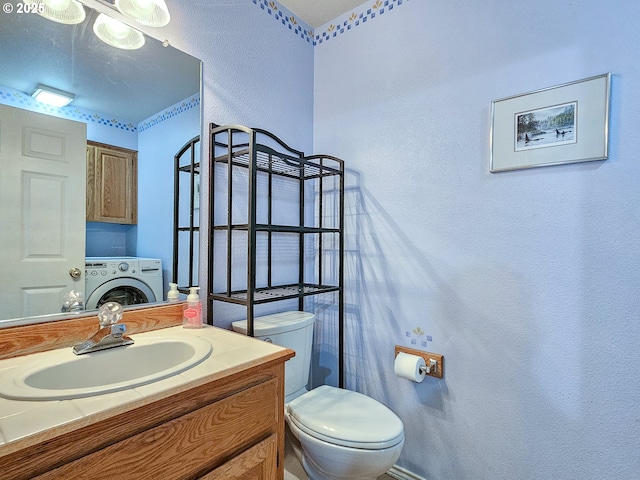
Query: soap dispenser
[[173, 295], [192, 315]]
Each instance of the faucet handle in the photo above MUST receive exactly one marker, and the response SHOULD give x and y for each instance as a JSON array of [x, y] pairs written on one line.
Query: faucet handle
[[109, 314]]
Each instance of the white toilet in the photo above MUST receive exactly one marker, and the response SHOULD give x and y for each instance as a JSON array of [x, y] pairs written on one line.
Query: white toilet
[[339, 434]]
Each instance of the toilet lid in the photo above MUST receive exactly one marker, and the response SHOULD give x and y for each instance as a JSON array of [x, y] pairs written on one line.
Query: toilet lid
[[346, 418]]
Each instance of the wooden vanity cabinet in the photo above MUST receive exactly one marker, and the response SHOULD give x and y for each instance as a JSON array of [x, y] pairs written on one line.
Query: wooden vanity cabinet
[[112, 184], [259, 462], [227, 428]]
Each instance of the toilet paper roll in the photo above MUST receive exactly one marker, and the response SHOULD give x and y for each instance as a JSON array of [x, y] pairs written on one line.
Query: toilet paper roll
[[408, 366]]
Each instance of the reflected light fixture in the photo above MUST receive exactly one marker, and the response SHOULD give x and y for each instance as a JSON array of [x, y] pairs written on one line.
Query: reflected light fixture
[[152, 13], [52, 96], [68, 12], [117, 34]]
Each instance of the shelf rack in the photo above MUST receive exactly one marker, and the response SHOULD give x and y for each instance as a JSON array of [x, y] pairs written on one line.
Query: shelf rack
[[252, 164]]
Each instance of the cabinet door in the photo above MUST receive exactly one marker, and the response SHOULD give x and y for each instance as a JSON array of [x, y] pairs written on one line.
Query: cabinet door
[[187, 446], [112, 180], [257, 463]]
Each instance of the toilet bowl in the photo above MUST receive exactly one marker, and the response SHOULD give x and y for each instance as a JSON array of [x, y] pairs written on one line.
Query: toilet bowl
[[337, 434], [344, 435]]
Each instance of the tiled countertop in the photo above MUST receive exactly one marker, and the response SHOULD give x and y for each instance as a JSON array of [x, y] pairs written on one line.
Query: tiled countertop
[[21, 419]]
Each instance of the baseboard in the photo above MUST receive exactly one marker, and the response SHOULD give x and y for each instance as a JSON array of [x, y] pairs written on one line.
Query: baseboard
[[402, 474]]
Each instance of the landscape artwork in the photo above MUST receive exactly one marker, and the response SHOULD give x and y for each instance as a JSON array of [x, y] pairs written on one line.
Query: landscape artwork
[[546, 127]]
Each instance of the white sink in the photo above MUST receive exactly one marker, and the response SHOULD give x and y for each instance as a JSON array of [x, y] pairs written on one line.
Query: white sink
[[61, 375]]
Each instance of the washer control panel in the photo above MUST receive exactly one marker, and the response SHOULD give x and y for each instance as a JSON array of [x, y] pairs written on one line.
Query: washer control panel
[[98, 267]]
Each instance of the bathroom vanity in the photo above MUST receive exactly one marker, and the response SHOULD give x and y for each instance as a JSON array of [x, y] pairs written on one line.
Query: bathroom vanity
[[222, 419]]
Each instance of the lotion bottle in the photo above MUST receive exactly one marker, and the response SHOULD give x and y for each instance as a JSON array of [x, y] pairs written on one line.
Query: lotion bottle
[[192, 315], [173, 295]]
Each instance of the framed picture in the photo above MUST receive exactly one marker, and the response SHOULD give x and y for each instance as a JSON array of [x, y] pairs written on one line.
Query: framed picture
[[564, 124]]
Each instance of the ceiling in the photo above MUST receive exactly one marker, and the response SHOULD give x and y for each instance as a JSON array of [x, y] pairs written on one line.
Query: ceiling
[[318, 12]]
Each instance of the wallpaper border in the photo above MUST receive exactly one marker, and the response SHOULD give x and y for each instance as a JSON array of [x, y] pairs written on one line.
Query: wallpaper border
[[11, 97], [338, 26]]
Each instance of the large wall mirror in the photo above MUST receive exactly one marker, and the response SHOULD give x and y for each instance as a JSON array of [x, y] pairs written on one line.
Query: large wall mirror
[[145, 100]]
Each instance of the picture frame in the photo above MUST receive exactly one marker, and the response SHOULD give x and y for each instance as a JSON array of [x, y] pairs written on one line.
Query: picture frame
[[568, 123]]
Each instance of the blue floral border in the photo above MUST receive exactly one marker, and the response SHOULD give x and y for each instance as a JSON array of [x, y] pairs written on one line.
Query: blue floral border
[[286, 18], [16, 98], [170, 112], [355, 19], [342, 25], [9, 96]]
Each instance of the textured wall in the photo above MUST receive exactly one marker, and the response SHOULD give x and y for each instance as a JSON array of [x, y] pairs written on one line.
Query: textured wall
[[526, 281]]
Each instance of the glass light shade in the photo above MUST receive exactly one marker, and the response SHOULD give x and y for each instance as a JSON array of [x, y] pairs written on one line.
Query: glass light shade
[[52, 96], [117, 34], [68, 12], [152, 13]]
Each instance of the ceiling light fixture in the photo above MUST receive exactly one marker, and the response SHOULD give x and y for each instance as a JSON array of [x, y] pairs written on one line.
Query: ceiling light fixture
[[52, 96], [152, 13], [117, 34], [68, 12]]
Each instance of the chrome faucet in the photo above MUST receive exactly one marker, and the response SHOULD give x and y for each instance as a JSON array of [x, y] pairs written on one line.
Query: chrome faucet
[[111, 334]]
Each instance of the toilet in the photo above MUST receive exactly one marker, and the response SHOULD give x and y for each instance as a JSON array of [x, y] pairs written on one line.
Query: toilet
[[336, 434]]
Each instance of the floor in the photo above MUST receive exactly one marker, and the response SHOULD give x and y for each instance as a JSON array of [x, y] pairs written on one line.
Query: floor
[[294, 471]]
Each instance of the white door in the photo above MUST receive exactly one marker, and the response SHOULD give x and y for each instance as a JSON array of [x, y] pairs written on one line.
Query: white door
[[42, 211]]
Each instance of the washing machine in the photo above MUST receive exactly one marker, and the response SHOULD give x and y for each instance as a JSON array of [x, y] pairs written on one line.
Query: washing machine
[[126, 280]]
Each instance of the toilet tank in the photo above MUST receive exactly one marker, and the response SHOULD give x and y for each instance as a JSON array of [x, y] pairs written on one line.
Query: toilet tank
[[294, 330]]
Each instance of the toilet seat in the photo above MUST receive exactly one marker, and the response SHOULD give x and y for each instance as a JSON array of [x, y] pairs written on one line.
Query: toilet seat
[[346, 418]]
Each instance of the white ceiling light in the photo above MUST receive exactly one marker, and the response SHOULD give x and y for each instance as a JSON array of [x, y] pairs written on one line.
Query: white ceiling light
[[62, 11], [52, 96], [152, 13], [117, 34]]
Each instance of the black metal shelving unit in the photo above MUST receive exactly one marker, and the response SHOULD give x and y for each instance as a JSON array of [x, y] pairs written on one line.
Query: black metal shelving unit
[[249, 168], [186, 231]]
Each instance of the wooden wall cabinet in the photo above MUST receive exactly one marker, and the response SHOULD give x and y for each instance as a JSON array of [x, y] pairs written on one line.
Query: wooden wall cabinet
[[112, 184]]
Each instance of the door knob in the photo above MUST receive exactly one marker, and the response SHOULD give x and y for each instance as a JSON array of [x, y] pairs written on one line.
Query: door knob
[[75, 272]]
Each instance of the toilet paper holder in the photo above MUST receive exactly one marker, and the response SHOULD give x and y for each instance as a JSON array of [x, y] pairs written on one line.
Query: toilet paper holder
[[431, 367], [434, 362]]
